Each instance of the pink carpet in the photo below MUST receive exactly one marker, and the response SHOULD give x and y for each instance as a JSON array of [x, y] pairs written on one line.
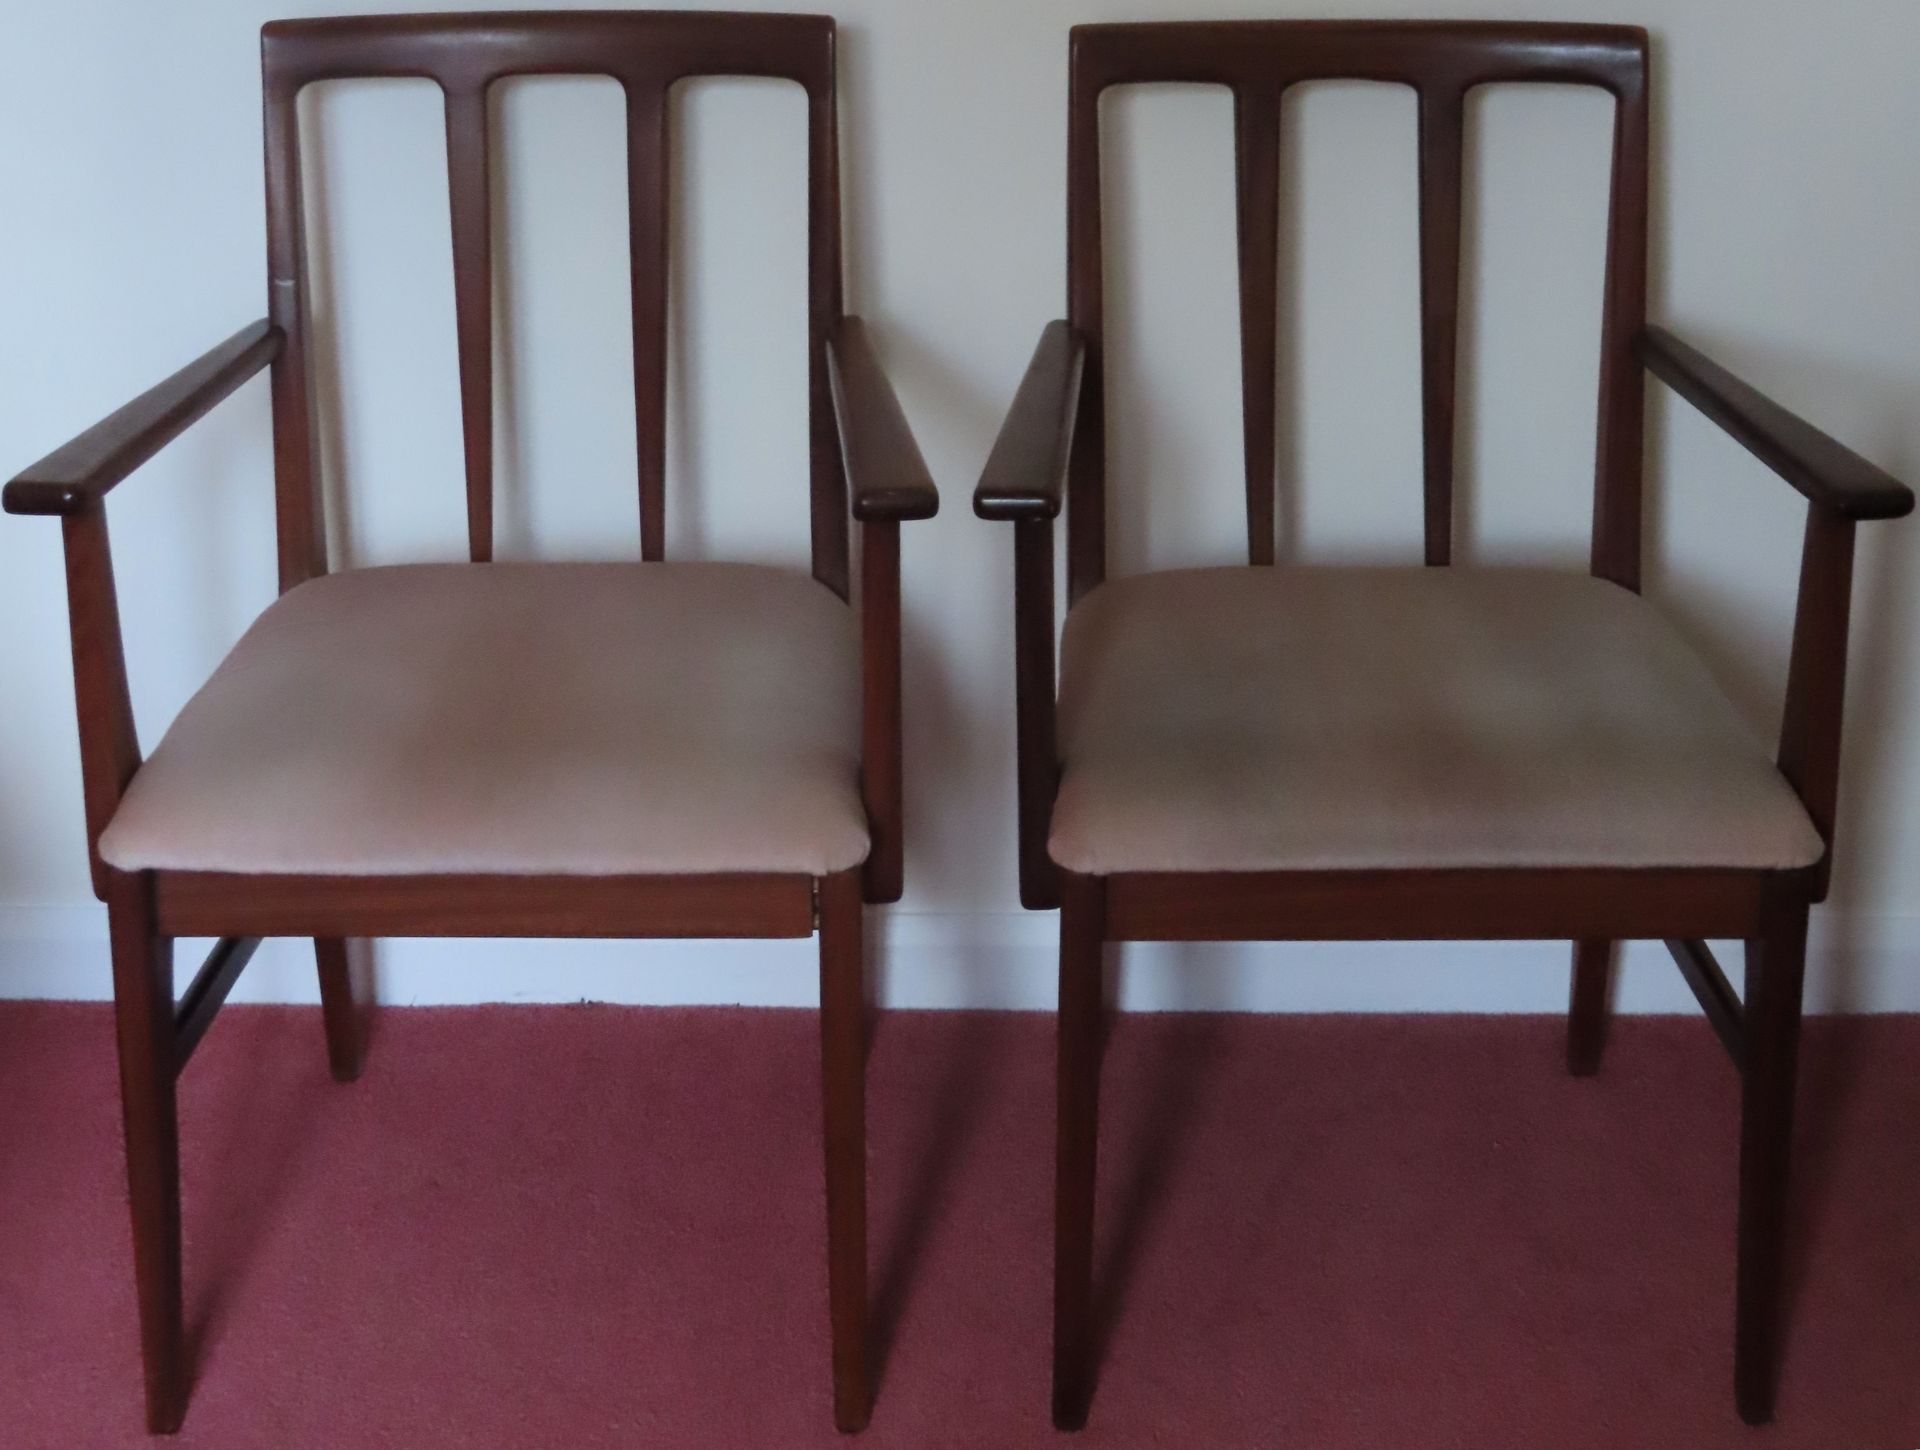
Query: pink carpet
[[592, 1226]]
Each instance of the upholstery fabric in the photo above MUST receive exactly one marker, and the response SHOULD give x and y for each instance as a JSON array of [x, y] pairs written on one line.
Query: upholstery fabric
[[1252, 719], [533, 719]]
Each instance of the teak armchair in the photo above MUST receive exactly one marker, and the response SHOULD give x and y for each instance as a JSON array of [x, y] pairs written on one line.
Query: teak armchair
[[1294, 753], [490, 749]]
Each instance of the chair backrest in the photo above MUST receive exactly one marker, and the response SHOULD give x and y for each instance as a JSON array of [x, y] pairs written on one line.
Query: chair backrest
[[647, 52], [1442, 61]]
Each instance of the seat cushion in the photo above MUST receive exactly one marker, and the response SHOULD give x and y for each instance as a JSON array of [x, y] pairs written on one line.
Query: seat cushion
[[1265, 719], [521, 718]]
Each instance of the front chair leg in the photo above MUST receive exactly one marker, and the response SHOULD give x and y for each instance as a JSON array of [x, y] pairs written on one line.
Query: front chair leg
[[1082, 935], [843, 1008], [1587, 1012], [1776, 967], [338, 1010], [143, 1021]]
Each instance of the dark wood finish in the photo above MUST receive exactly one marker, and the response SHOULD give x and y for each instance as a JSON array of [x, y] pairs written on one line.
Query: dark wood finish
[[1810, 728], [889, 482], [826, 465], [1078, 1087], [1714, 993], [1024, 482], [1841, 489], [1588, 1005], [109, 745], [1826, 471], [1776, 965], [299, 521], [882, 770], [855, 425], [647, 52], [1086, 481], [1053, 445], [1033, 684], [1460, 905], [196, 903], [1026, 474], [1443, 61], [207, 991], [339, 1008], [887, 475], [469, 201], [1256, 157], [843, 1068], [648, 150], [1620, 435], [1442, 139], [144, 1025], [80, 473]]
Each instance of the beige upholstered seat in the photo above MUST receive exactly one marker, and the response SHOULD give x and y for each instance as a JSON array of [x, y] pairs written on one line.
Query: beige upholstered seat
[[518, 718], [1250, 719]]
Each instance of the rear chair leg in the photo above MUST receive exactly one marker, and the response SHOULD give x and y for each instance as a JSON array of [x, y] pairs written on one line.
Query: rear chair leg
[[843, 1008], [1587, 1013], [143, 1022], [1082, 934], [1776, 968], [339, 1011]]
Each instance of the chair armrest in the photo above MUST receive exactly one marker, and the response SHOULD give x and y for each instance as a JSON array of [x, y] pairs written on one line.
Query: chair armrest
[[1841, 489], [1831, 475], [1025, 476], [78, 474], [1024, 484], [71, 482], [889, 483], [885, 472]]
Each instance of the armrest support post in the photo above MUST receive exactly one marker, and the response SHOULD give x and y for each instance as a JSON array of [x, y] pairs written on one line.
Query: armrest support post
[[1810, 729], [1841, 489], [1038, 768], [881, 773], [109, 746], [1024, 483], [72, 483], [888, 482]]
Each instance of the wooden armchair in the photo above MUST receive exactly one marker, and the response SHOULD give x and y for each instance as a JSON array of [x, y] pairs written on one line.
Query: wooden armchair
[[1287, 753], [650, 749]]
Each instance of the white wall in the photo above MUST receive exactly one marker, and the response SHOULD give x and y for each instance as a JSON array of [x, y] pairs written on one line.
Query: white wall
[[1787, 208]]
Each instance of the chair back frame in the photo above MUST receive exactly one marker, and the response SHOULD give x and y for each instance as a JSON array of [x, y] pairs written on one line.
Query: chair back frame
[[1443, 61], [647, 52]]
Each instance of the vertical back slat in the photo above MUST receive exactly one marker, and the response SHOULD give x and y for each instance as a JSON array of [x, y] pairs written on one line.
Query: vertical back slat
[[469, 203], [1619, 460], [299, 522], [1442, 122], [647, 220], [831, 554], [1256, 114]]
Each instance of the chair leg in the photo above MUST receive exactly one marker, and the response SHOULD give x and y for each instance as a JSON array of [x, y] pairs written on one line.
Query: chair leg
[[143, 1021], [1776, 967], [338, 1009], [843, 1008], [1082, 934], [1587, 1012]]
